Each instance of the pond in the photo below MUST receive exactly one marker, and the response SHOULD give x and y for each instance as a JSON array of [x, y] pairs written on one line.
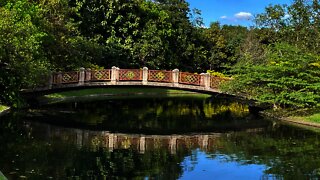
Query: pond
[[154, 138]]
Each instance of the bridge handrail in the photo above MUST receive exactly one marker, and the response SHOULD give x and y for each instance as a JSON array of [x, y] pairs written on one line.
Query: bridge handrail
[[145, 76]]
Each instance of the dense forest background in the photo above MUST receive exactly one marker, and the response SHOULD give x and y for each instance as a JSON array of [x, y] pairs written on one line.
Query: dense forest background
[[277, 61]]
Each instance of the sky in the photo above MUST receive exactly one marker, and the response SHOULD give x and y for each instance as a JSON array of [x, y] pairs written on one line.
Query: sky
[[233, 12]]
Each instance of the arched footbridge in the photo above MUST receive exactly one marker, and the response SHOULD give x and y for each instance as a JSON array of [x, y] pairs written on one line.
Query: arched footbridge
[[132, 77]]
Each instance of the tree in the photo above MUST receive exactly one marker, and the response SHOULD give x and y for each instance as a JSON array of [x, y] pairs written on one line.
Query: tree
[[288, 77], [216, 45], [235, 37], [297, 24], [22, 60]]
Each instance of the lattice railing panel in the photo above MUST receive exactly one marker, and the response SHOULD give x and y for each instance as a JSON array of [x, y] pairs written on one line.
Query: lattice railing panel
[[101, 75], [66, 77], [216, 81], [130, 75], [160, 76], [70, 77], [189, 78]]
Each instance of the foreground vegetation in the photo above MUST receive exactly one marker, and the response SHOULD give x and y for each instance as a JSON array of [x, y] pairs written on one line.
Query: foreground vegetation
[[3, 108], [277, 61]]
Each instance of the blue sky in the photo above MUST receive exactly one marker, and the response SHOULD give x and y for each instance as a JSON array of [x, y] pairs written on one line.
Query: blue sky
[[235, 12]]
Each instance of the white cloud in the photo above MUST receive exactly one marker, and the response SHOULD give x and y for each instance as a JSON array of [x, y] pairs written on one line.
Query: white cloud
[[223, 17], [243, 16]]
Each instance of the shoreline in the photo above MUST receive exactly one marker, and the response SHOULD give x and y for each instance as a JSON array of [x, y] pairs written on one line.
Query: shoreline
[[292, 120]]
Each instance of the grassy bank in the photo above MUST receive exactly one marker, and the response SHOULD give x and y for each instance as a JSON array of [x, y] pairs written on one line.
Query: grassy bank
[[308, 117], [314, 118]]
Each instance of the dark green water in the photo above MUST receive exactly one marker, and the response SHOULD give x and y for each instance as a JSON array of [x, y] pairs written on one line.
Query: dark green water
[[154, 138]]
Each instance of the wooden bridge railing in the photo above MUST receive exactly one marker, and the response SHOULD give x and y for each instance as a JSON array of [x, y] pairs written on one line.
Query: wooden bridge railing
[[144, 75]]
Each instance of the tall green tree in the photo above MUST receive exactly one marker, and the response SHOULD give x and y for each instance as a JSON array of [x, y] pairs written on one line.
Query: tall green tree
[[22, 59]]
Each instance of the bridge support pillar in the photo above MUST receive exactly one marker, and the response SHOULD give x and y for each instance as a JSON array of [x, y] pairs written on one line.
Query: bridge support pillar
[[175, 77], [145, 76], [81, 76], [114, 75]]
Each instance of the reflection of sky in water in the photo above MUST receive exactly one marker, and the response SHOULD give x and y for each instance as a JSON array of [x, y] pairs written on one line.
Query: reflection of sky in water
[[200, 166]]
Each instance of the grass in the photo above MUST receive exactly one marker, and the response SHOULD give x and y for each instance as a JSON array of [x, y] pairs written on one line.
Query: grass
[[313, 118], [122, 91], [306, 116]]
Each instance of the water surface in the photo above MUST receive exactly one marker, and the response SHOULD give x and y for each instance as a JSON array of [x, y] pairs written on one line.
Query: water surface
[[154, 138]]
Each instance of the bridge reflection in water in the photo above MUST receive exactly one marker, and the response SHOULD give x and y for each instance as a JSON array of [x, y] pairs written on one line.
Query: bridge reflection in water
[[139, 142]]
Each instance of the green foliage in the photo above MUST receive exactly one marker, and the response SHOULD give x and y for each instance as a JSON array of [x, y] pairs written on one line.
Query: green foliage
[[142, 33], [21, 58], [215, 74], [287, 77]]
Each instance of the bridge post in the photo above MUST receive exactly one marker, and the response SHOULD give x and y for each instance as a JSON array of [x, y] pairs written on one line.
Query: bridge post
[[204, 142], [142, 144], [175, 77], [112, 141], [114, 75], [205, 80], [59, 78], [145, 76], [88, 75], [81, 76], [173, 145], [50, 80], [117, 74]]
